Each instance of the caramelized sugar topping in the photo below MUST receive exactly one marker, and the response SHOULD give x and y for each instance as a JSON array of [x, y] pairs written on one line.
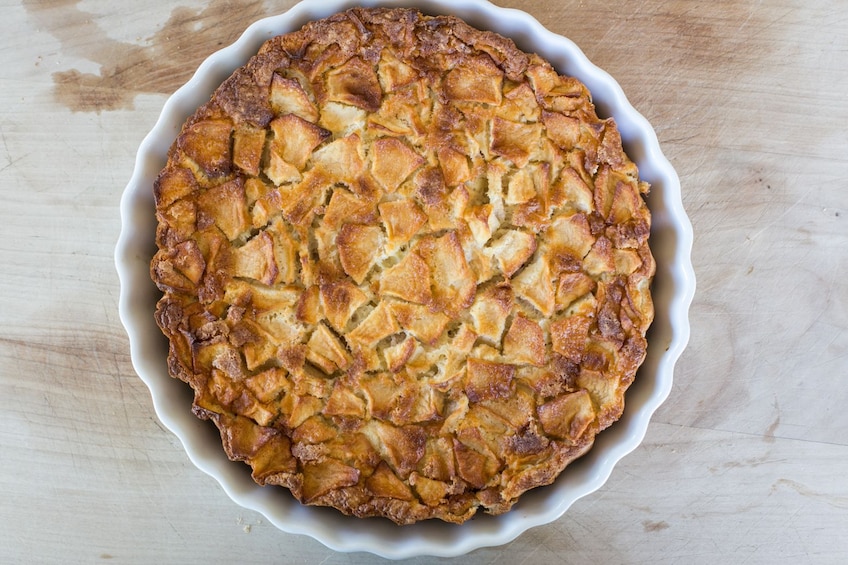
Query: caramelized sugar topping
[[405, 266]]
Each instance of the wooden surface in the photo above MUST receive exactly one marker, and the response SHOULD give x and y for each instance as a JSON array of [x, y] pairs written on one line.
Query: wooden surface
[[745, 463]]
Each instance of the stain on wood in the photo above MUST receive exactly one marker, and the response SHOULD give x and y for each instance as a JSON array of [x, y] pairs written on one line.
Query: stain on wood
[[655, 526], [159, 65]]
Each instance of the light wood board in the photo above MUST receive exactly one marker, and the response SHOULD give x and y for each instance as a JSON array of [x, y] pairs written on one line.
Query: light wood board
[[745, 463]]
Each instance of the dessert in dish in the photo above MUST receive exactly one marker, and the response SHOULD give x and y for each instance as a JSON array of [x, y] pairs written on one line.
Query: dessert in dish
[[405, 266]]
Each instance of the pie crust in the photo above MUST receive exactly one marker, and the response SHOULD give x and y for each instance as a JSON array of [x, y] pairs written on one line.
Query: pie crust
[[405, 266]]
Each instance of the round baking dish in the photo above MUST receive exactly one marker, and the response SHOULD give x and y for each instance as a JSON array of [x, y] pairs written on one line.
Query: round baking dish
[[673, 289]]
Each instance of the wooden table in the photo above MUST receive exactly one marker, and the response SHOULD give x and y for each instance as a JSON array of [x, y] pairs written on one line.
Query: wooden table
[[746, 461]]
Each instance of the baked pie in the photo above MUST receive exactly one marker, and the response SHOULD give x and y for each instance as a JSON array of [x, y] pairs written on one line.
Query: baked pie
[[405, 266]]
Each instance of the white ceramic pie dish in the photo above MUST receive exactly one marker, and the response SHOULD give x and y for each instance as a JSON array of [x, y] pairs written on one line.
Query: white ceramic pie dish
[[674, 286]]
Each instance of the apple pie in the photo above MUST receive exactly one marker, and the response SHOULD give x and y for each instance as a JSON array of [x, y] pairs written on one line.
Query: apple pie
[[404, 266]]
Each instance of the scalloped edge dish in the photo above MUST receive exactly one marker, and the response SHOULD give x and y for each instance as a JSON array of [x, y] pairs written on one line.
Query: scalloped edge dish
[[673, 290]]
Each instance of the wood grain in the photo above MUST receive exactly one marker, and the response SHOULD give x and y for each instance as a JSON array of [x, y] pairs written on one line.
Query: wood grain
[[745, 462]]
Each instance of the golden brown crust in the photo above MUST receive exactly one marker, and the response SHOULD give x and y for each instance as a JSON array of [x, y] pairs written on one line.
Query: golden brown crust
[[405, 266]]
